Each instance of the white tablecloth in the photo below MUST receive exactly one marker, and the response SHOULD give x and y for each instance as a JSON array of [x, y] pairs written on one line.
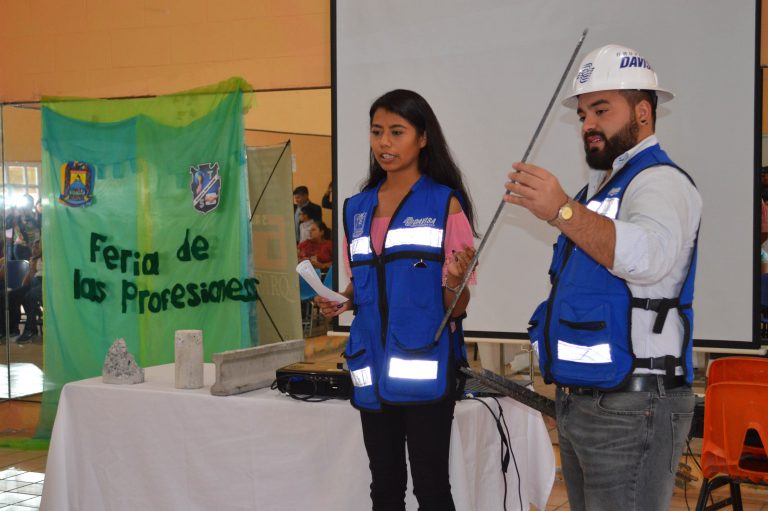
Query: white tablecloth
[[153, 447]]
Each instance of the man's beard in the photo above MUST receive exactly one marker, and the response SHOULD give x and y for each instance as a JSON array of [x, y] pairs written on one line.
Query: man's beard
[[621, 142]]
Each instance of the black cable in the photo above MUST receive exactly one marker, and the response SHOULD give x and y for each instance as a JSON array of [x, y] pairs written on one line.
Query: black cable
[[271, 320], [506, 447], [512, 452], [312, 397]]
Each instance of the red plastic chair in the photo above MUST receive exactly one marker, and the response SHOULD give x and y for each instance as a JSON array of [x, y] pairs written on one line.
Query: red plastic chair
[[753, 369], [733, 408]]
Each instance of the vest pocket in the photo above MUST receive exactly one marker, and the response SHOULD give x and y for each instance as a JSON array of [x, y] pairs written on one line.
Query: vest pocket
[[361, 369], [536, 333], [415, 364], [583, 345], [536, 323], [363, 282]]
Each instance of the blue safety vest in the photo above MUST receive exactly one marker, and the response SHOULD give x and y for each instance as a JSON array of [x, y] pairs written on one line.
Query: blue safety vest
[[398, 299], [583, 332]]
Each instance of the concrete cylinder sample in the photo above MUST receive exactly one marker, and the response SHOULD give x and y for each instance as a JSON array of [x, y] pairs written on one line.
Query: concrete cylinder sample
[[189, 359]]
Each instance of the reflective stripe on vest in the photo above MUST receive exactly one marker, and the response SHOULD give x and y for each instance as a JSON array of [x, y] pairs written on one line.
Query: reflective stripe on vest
[[609, 207], [425, 236], [412, 369], [361, 377], [360, 246], [597, 354]]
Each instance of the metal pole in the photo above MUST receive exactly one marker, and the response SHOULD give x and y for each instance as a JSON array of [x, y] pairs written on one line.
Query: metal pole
[[473, 263]]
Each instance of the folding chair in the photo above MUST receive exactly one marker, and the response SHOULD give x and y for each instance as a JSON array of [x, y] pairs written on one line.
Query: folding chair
[[328, 279], [733, 408], [309, 312], [751, 369]]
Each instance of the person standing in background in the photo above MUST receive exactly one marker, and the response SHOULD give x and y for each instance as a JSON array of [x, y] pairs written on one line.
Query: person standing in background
[[301, 202], [327, 201]]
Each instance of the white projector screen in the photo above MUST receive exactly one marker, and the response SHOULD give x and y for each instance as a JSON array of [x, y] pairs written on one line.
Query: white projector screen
[[488, 69]]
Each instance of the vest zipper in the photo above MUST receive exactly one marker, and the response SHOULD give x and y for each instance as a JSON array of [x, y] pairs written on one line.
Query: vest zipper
[[381, 273]]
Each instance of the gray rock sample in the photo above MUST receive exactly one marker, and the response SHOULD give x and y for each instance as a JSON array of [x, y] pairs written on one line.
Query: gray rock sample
[[119, 365]]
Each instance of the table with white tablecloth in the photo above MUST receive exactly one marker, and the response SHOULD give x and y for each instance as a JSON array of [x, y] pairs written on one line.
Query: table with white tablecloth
[[151, 446]]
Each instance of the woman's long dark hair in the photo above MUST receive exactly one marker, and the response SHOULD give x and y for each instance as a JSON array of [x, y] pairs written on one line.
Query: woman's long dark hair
[[435, 158], [324, 229]]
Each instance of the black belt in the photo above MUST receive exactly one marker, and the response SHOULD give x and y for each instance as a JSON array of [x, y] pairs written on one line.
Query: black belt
[[636, 383]]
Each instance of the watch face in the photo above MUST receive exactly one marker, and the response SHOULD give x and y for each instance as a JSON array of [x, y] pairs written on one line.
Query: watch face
[[566, 212]]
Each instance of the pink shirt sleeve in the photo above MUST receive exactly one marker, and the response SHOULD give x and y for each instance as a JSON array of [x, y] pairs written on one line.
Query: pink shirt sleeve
[[458, 234], [345, 255]]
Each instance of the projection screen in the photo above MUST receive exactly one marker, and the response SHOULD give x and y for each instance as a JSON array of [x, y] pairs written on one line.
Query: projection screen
[[489, 67]]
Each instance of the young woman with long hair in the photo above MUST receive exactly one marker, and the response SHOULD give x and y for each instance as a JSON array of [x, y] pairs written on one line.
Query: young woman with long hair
[[409, 241]]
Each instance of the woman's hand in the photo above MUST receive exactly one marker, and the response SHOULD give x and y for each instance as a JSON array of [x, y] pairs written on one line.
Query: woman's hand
[[459, 265], [330, 308]]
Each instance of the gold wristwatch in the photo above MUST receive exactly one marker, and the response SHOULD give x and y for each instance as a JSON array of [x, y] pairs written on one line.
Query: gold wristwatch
[[564, 214]]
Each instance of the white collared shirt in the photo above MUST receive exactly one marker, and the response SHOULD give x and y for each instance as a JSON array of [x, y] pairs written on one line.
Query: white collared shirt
[[655, 232]]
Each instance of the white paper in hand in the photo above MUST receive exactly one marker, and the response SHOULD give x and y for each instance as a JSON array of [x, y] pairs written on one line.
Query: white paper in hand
[[307, 271]]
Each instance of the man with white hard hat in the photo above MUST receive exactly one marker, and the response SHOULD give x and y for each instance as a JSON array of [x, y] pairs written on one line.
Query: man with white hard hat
[[615, 334]]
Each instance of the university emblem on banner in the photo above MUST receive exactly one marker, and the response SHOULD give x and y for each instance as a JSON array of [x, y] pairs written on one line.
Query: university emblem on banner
[[76, 184], [206, 186]]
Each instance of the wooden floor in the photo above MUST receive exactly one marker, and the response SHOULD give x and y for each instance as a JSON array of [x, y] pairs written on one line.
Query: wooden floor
[[22, 472]]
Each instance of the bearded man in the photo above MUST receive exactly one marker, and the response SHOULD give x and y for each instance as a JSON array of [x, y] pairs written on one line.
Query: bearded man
[[615, 334]]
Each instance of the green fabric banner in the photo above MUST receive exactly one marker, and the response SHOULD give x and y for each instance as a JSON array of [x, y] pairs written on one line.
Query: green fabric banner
[[145, 230]]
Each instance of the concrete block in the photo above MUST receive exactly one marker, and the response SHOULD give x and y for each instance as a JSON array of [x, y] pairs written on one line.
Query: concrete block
[[239, 371], [188, 348]]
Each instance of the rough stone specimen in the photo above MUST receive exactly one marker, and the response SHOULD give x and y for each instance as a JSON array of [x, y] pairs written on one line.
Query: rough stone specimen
[[119, 365]]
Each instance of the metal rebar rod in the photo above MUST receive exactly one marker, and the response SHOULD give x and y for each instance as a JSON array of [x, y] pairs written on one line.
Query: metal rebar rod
[[496, 215]]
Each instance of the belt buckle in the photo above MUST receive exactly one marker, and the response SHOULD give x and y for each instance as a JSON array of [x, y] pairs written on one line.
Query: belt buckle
[[647, 305], [580, 391]]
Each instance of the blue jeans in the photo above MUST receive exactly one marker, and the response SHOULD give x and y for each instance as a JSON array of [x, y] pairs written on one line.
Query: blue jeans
[[620, 450]]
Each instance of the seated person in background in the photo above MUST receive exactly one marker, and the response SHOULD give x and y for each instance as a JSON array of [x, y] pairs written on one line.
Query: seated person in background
[[26, 228], [305, 225], [30, 295], [318, 248]]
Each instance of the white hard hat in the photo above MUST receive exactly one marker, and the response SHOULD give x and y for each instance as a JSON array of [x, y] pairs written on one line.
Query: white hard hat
[[614, 67]]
